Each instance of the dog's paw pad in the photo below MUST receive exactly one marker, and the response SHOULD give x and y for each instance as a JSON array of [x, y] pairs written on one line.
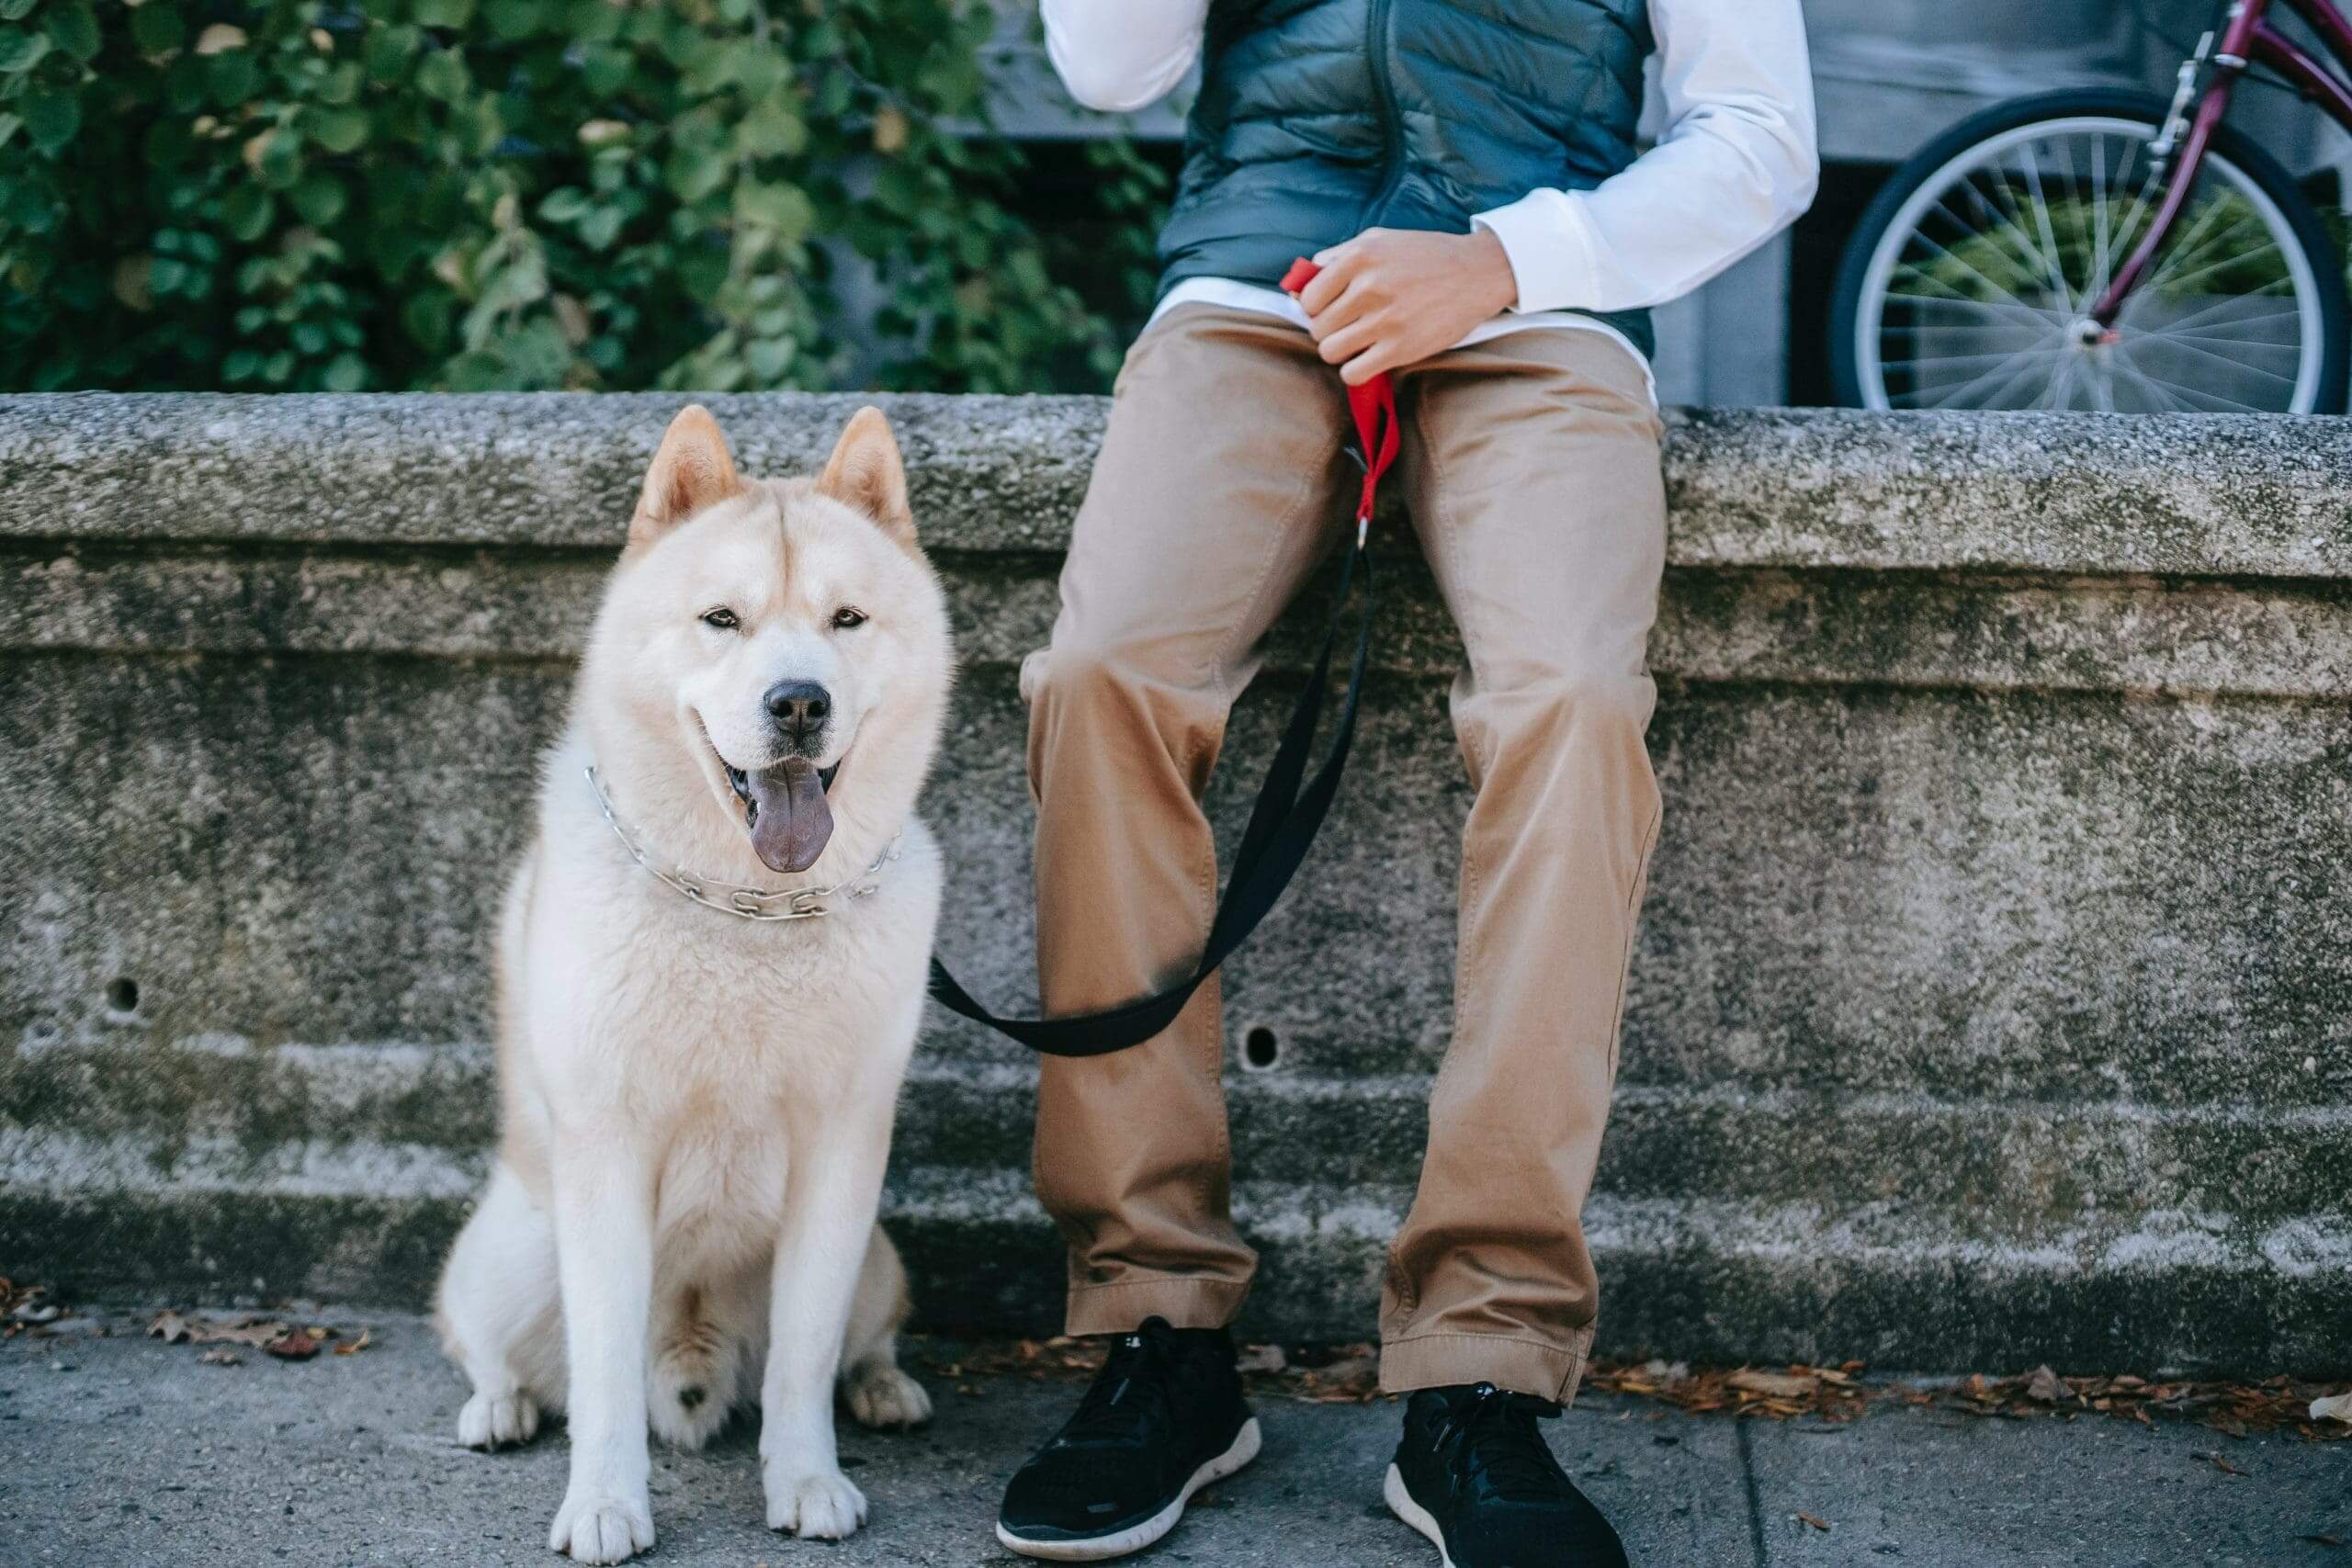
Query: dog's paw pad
[[885, 1396], [821, 1507], [601, 1528], [498, 1421]]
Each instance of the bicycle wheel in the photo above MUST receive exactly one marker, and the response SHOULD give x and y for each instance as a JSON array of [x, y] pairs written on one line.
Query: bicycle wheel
[[1970, 281]]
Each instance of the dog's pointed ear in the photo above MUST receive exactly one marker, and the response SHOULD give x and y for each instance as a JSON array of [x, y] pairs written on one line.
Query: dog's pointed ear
[[866, 473], [692, 469]]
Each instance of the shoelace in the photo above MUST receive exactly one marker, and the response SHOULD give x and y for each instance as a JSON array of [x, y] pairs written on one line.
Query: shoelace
[[1129, 1394], [1504, 1451]]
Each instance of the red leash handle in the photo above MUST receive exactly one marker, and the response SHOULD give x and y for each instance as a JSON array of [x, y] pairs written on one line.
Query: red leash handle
[[1373, 405]]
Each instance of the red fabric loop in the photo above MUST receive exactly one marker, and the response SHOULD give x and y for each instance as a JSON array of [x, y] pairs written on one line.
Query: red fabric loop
[[1374, 404]]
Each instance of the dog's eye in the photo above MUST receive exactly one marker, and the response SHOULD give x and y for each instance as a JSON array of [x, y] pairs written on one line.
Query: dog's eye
[[849, 615], [722, 619]]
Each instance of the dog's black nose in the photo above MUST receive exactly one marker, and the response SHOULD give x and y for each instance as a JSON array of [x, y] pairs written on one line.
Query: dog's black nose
[[799, 707]]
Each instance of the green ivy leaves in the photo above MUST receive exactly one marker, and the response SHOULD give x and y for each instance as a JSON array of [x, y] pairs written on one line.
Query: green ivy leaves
[[351, 193]]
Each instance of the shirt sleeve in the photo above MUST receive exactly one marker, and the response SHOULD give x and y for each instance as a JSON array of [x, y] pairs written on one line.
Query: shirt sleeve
[[1737, 164], [1118, 55]]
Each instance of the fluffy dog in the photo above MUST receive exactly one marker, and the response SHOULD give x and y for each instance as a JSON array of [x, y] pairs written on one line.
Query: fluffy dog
[[710, 970]]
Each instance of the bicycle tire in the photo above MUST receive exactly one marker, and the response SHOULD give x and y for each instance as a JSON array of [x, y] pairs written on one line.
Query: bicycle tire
[[2302, 220]]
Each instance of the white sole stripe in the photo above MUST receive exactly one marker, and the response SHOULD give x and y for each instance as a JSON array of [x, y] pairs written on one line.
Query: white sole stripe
[[1134, 1537], [1400, 1503]]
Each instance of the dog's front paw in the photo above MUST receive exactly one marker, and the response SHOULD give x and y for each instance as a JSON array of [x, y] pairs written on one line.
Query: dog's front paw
[[597, 1525], [885, 1396], [823, 1506], [498, 1421]]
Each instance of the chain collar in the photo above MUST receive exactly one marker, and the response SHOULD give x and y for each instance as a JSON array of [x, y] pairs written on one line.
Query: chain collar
[[750, 903]]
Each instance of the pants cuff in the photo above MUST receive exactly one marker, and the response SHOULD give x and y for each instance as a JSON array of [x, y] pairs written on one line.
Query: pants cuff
[[1523, 1366], [1185, 1303]]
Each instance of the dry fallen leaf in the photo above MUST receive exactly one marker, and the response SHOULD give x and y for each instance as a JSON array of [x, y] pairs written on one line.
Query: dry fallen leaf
[[2218, 1463], [1261, 1359], [2338, 1408], [1774, 1386], [355, 1346], [294, 1344], [2322, 1540], [2044, 1387], [1819, 1524], [169, 1327], [221, 1359]]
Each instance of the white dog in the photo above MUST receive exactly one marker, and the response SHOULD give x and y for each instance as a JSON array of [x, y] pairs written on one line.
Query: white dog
[[697, 1087]]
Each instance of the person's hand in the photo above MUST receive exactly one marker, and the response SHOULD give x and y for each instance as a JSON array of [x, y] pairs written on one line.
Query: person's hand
[[1390, 297]]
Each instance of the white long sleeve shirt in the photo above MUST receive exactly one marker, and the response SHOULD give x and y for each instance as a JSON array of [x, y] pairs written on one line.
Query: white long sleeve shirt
[[1735, 165]]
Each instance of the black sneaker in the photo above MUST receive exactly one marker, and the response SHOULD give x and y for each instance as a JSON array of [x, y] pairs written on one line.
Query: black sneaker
[[1164, 1418], [1474, 1475]]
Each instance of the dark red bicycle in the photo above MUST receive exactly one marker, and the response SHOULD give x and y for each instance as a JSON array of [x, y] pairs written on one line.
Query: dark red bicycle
[[2110, 250]]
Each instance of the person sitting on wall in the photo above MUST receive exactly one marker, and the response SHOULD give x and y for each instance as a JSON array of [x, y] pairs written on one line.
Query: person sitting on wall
[[1467, 177]]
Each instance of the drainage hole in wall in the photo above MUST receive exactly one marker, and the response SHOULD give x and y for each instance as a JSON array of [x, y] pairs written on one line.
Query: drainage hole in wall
[[122, 995], [1260, 1049]]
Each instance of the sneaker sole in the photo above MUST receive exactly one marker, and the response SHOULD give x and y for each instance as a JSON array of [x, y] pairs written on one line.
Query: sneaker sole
[[1400, 1503], [1134, 1537]]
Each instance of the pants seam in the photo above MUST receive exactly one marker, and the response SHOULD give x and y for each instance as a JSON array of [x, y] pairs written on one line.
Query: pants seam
[[1220, 680], [1625, 951], [1409, 1294]]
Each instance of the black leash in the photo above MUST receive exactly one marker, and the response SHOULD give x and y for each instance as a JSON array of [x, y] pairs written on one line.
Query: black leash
[[1283, 822], [1282, 825]]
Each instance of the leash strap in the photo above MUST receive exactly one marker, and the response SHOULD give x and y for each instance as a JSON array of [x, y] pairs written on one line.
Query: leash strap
[[1284, 818]]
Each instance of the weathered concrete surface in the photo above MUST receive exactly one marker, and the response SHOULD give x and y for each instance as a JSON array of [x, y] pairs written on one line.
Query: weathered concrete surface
[[1993, 998], [126, 1452]]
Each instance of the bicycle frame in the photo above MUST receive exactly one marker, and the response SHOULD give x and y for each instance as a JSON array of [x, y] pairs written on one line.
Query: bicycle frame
[[2247, 38]]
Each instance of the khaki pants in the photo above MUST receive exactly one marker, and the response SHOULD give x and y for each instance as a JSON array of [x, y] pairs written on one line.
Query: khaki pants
[[1530, 464]]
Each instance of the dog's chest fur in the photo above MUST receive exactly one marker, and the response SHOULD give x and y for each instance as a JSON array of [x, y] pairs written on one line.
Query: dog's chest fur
[[713, 1040]]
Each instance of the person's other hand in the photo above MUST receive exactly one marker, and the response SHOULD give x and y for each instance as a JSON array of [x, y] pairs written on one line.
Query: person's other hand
[[1390, 297]]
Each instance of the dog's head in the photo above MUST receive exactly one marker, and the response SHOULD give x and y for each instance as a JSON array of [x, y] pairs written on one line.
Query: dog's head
[[787, 639]]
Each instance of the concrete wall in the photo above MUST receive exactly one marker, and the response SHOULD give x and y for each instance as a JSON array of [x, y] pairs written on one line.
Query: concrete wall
[[1991, 1003]]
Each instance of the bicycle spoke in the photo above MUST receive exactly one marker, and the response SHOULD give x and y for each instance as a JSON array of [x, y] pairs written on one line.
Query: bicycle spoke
[[1995, 356], [2156, 389], [2240, 344], [2183, 245], [2056, 391], [2180, 285], [2227, 302], [2026, 354], [2151, 339], [1998, 398], [2196, 396], [2096, 287], [2103, 392], [2006, 220], [2041, 219], [1991, 249], [1963, 262]]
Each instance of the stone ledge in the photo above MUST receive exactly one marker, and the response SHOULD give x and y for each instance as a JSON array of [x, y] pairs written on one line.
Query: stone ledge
[[2186, 495]]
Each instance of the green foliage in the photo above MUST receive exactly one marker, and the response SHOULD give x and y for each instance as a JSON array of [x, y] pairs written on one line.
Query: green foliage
[[524, 194]]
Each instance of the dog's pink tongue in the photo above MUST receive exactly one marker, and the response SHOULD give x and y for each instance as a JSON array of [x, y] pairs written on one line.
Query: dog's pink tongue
[[789, 830]]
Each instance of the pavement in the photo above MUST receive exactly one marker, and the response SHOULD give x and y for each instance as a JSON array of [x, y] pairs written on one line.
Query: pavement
[[123, 1450]]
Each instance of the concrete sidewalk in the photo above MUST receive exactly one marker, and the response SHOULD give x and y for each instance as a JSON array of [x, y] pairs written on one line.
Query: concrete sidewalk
[[124, 1450]]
